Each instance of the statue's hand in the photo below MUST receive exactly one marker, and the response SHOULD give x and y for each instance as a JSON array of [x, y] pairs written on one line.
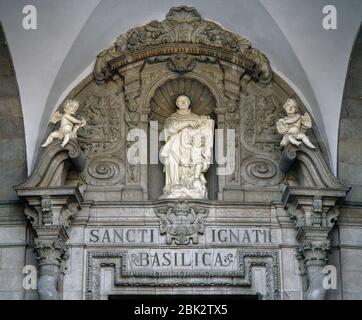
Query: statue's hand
[[203, 119], [194, 124]]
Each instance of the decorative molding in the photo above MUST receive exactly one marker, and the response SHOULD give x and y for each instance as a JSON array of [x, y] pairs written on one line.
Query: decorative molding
[[312, 167], [50, 169], [181, 63], [182, 32], [241, 278]]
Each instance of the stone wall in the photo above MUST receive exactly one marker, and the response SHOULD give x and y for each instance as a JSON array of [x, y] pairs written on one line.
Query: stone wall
[[350, 132], [13, 230], [348, 234]]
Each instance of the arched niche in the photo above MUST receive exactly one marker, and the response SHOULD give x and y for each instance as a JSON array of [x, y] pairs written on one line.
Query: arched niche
[[162, 103], [137, 80]]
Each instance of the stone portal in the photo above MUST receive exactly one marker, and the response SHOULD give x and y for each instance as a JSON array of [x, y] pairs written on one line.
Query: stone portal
[[267, 212]]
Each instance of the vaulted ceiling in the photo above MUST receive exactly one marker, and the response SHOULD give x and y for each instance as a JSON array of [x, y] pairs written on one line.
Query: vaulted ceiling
[[51, 60]]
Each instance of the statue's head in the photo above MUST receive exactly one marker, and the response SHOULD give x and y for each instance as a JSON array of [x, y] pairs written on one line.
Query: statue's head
[[290, 106], [183, 102], [71, 106]]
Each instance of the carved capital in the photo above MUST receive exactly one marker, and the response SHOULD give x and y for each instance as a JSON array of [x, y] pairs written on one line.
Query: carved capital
[[314, 212], [50, 251], [314, 253], [50, 211], [312, 206], [51, 207]]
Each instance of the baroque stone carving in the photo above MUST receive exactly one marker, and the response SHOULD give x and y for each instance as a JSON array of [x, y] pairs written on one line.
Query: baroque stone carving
[[50, 251], [50, 217], [260, 116], [261, 171], [313, 206], [182, 32], [163, 102], [181, 63], [247, 260], [182, 222], [294, 125], [68, 124], [232, 116], [104, 171], [314, 213], [187, 152], [50, 206], [101, 139]]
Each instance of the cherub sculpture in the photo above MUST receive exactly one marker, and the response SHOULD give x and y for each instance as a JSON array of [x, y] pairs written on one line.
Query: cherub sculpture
[[68, 124], [294, 125]]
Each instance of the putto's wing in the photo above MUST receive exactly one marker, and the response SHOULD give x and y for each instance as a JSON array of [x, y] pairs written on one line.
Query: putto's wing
[[307, 120], [56, 117], [282, 127]]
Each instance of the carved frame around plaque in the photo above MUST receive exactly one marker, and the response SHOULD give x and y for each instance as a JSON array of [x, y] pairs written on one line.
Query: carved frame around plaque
[[246, 259]]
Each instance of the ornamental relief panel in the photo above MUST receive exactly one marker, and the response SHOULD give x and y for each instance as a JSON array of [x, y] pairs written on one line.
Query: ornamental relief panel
[[102, 139], [261, 107]]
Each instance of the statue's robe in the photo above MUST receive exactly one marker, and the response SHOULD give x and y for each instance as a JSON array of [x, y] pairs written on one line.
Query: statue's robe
[[179, 153]]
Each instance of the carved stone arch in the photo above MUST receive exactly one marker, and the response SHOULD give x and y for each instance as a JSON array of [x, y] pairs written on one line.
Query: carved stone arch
[[182, 32], [150, 92], [163, 102]]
